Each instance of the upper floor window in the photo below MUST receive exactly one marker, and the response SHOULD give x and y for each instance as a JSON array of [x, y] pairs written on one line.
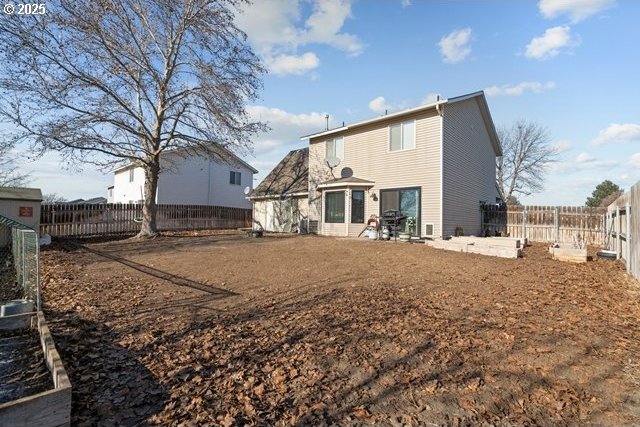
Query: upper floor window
[[335, 148], [131, 174], [235, 178], [402, 136]]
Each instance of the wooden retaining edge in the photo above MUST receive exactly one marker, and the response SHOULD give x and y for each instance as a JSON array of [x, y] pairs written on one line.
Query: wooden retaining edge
[[500, 252], [488, 241], [51, 408], [448, 245], [470, 247], [569, 254], [524, 242]]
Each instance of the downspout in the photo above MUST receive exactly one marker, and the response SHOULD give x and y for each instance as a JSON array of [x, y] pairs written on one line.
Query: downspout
[[441, 114]]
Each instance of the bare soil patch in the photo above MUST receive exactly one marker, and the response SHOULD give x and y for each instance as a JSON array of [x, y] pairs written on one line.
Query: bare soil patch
[[219, 330]]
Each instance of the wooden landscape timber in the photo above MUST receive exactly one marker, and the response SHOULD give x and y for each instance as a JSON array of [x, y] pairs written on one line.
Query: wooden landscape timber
[[51, 408], [489, 241], [471, 246], [568, 253]]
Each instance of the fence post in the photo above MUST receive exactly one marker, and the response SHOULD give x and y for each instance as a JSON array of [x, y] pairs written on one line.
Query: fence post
[[618, 230], [556, 224], [524, 223], [627, 212]]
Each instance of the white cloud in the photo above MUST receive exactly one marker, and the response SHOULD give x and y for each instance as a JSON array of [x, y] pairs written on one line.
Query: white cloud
[[577, 10], [585, 157], [562, 146], [277, 31], [519, 89], [378, 105], [406, 3], [635, 160], [551, 43], [586, 160], [626, 132], [430, 98], [292, 64], [286, 128], [325, 23], [454, 47]]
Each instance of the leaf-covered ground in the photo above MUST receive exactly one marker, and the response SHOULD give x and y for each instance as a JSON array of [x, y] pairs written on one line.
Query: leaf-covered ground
[[221, 330]]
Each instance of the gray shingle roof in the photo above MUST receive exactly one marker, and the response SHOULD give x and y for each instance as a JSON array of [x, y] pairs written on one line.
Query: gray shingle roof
[[17, 193], [290, 176]]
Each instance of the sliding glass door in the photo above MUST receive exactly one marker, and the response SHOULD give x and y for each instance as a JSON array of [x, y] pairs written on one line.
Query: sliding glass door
[[407, 202]]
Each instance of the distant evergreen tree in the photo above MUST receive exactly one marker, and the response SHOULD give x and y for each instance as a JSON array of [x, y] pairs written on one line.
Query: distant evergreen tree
[[603, 191]]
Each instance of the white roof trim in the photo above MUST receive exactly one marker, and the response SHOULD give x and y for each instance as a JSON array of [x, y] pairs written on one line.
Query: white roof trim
[[376, 119], [278, 196], [347, 184]]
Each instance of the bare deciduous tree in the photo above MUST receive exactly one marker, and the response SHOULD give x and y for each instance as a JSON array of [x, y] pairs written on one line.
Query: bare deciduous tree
[[121, 81], [52, 198], [526, 155], [10, 173]]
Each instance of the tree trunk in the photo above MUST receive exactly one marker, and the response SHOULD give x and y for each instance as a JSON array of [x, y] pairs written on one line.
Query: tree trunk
[[149, 207]]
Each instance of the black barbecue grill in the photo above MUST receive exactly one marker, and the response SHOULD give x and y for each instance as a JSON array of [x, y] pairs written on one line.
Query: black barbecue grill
[[393, 221]]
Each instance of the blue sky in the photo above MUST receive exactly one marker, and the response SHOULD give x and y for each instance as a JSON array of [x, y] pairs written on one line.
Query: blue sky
[[571, 65]]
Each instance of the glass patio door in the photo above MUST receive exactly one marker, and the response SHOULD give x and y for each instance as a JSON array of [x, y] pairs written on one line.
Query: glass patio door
[[407, 202]]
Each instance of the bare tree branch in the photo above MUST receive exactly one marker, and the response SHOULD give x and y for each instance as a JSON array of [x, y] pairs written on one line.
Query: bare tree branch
[[117, 81]]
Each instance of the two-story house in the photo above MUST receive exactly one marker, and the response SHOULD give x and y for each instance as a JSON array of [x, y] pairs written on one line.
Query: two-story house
[[434, 164], [189, 179]]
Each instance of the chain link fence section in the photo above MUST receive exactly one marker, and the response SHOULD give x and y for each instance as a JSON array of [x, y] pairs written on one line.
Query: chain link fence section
[[19, 262]]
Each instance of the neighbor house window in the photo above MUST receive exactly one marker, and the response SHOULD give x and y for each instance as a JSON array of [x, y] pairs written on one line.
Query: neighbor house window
[[235, 178], [357, 206], [131, 174], [334, 207], [402, 136], [335, 148]]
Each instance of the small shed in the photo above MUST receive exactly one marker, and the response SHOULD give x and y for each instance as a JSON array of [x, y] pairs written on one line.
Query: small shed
[[21, 205]]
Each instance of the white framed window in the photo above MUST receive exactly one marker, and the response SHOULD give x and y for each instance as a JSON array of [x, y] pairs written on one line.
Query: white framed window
[[132, 173], [335, 148], [334, 207], [402, 136], [235, 178]]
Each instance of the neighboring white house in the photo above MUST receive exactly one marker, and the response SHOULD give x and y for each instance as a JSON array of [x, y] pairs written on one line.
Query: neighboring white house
[[193, 180]]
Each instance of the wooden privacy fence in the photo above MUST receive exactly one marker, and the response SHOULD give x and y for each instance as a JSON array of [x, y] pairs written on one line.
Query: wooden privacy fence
[[623, 229], [545, 223], [112, 219]]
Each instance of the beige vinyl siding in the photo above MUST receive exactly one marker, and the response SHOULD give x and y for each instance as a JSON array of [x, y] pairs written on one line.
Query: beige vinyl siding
[[366, 152], [469, 168], [260, 207]]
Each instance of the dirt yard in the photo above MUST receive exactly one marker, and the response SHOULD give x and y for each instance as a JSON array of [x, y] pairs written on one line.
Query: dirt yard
[[221, 330]]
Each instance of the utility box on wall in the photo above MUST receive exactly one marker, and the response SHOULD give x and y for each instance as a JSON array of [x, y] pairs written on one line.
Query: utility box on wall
[[21, 205]]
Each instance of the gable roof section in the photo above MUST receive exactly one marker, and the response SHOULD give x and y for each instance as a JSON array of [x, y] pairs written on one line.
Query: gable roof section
[[480, 98], [20, 193], [219, 152], [290, 176]]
